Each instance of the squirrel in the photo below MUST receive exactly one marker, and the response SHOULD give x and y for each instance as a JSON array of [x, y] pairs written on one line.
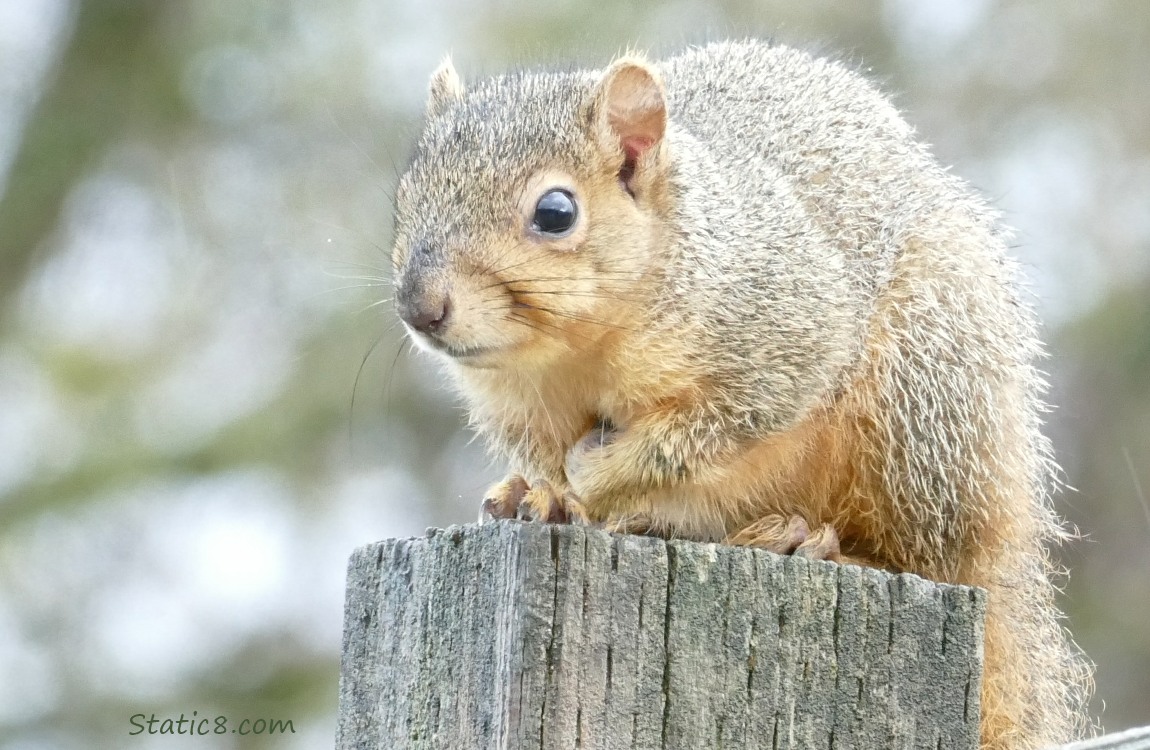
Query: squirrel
[[728, 297]]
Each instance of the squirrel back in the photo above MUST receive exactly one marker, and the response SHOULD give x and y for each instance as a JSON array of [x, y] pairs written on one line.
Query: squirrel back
[[699, 296]]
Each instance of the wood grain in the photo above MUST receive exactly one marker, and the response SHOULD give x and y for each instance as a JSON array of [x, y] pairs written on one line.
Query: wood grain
[[515, 636]]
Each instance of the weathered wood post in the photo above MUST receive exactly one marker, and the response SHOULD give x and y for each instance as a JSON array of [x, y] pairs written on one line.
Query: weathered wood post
[[515, 636]]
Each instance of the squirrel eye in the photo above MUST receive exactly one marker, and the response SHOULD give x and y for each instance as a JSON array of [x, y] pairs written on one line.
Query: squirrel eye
[[555, 213]]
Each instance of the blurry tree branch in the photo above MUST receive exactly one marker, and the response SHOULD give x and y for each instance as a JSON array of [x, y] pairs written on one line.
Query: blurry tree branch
[[111, 74]]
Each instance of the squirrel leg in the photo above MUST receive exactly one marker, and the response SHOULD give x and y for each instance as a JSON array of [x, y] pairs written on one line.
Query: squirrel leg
[[514, 498], [581, 457], [656, 451]]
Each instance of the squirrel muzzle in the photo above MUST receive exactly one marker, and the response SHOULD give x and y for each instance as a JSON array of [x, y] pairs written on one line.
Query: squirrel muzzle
[[445, 310], [424, 311], [422, 299]]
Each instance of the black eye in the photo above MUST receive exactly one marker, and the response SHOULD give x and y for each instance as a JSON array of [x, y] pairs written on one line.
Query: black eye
[[554, 213]]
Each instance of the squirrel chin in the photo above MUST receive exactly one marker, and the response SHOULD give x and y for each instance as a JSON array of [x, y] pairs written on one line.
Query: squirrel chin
[[487, 358], [481, 356]]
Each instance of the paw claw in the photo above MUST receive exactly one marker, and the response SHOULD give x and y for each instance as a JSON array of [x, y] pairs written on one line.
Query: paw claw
[[515, 499], [821, 545], [503, 500], [539, 504], [790, 536], [775, 533]]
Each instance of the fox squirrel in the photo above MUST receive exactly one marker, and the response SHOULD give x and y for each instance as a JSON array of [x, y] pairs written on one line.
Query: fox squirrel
[[728, 297]]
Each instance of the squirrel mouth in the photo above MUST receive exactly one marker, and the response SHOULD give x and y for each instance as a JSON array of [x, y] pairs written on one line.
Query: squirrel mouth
[[466, 352], [462, 352]]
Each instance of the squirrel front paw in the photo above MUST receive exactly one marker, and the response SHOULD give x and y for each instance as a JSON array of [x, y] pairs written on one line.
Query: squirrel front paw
[[790, 536], [596, 465], [584, 459], [514, 498]]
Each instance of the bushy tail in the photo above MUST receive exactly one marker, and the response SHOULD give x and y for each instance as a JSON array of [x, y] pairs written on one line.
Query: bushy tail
[[1036, 682]]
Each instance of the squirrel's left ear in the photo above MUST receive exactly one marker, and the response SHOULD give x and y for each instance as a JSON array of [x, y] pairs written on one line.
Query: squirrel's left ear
[[630, 110], [446, 87]]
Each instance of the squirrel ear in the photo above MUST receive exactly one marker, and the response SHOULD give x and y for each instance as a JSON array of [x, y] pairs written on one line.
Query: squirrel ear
[[632, 109], [445, 88]]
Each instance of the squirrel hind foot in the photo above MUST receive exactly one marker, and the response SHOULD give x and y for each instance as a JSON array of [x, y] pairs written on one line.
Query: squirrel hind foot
[[790, 536], [775, 533], [822, 544]]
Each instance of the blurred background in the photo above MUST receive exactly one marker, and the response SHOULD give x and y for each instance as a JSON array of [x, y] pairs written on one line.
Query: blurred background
[[203, 404]]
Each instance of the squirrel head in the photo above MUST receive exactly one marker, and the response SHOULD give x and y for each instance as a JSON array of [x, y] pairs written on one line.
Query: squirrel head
[[528, 222]]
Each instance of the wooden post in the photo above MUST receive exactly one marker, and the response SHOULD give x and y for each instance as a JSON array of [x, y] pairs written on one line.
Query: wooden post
[[510, 636]]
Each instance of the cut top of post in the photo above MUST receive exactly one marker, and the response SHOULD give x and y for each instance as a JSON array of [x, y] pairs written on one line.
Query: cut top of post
[[511, 636]]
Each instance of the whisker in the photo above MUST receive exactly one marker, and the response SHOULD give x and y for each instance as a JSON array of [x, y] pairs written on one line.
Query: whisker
[[362, 152], [604, 282], [621, 276], [377, 303], [372, 280], [504, 269], [373, 285], [591, 295], [490, 302], [583, 319], [570, 316], [322, 292], [522, 320], [559, 328], [391, 374], [376, 272], [347, 230], [354, 388], [535, 323]]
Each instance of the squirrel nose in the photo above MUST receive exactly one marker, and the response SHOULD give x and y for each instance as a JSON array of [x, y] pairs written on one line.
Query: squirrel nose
[[426, 315]]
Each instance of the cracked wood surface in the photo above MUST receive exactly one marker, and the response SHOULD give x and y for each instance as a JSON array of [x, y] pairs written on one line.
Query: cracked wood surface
[[512, 636]]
